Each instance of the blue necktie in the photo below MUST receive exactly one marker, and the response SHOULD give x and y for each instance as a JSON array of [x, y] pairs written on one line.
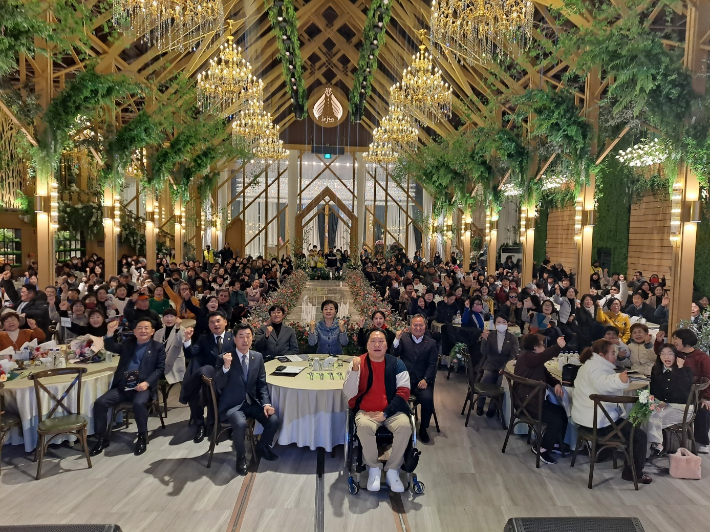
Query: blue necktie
[[245, 367]]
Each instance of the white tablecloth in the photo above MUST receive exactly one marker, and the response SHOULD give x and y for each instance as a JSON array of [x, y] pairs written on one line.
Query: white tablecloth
[[312, 412], [20, 399]]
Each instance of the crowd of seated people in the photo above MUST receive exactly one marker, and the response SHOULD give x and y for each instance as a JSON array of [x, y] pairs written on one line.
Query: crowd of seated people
[[496, 315]]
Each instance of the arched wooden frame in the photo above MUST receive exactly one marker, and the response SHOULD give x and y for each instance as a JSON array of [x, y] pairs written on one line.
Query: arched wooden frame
[[323, 195]]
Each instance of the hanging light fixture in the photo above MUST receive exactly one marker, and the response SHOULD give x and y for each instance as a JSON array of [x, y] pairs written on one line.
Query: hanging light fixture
[[269, 147], [398, 129], [228, 82], [170, 24], [423, 91], [380, 153], [479, 30]]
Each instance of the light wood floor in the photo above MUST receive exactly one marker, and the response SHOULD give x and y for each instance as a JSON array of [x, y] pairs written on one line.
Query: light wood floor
[[470, 485]]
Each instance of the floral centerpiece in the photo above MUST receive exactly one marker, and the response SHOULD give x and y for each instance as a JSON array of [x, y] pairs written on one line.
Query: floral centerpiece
[[367, 300], [84, 352], [643, 408]]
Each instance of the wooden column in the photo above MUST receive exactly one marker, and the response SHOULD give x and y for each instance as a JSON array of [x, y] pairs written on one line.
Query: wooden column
[[151, 223], [360, 172], [112, 226], [586, 198], [527, 238], [466, 231], [179, 221], [292, 208], [687, 185], [492, 257]]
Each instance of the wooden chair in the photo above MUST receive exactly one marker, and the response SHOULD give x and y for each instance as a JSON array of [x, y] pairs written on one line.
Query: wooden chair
[[164, 389], [479, 389], [220, 427], [528, 411], [127, 408], [70, 423], [7, 421], [687, 426], [615, 440], [414, 403]]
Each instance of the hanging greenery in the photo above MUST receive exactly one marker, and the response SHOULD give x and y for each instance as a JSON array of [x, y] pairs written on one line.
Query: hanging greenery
[[139, 133], [85, 218], [557, 122], [284, 24], [85, 95], [131, 236], [24, 22], [373, 38], [540, 243]]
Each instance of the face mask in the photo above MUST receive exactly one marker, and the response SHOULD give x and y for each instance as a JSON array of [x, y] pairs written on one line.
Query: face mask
[[501, 327]]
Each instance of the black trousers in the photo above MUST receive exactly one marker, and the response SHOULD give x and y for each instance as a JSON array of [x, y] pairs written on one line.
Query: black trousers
[[111, 399], [702, 425], [191, 387], [556, 418], [237, 418], [426, 400], [640, 446]]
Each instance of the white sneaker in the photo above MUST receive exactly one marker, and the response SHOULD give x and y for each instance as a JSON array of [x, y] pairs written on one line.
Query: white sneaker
[[703, 449], [393, 481], [373, 480]]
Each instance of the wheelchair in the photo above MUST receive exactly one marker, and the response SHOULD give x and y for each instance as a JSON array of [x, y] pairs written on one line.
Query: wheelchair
[[353, 455]]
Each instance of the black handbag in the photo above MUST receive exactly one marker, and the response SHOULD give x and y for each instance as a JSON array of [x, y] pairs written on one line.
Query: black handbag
[[569, 374], [411, 459]]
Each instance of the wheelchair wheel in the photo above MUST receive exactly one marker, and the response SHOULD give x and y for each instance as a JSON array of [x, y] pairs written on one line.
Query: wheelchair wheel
[[353, 487], [418, 487]]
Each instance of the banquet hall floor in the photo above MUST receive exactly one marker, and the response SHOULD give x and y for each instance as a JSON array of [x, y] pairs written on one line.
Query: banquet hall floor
[[470, 485]]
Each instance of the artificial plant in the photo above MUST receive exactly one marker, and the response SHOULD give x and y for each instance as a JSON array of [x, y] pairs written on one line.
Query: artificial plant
[[284, 24], [373, 38]]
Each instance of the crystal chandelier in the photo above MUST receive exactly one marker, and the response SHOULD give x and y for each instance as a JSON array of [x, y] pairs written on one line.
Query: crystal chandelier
[[269, 147], [227, 82], [397, 129], [170, 24], [422, 91], [475, 30], [381, 153]]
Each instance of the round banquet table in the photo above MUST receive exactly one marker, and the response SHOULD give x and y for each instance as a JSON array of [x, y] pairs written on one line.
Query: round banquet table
[[555, 370], [312, 412], [20, 399]]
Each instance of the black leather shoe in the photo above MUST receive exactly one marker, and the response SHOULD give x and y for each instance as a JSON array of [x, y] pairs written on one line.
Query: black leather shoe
[[423, 435], [242, 467], [140, 445], [479, 411], [266, 453], [101, 444], [200, 434]]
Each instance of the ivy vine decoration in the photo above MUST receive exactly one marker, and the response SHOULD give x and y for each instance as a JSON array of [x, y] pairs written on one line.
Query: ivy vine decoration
[[85, 95], [140, 132], [284, 24], [373, 38], [557, 121], [24, 22], [85, 218], [131, 236]]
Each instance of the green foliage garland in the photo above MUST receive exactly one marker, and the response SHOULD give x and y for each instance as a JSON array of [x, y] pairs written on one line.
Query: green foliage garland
[[84, 95], [702, 256], [557, 121], [131, 236], [540, 244], [85, 218], [373, 38], [284, 24], [24, 22]]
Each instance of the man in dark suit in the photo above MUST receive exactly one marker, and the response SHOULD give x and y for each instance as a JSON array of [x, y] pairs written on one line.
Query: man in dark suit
[[26, 303], [419, 354], [275, 339], [240, 379], [640, 309], [141, 354], [204, 356]]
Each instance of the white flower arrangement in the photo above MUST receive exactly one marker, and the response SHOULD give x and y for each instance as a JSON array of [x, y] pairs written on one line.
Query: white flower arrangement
[[644, 396]]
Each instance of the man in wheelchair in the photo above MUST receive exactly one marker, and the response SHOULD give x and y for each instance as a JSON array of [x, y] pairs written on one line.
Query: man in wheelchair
[[377, 389]]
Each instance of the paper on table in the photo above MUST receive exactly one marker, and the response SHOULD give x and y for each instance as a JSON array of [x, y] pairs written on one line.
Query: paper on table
[[10, 351], [98, 344], [46, 346], [294, 358], [30, 345], [295, 370]]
